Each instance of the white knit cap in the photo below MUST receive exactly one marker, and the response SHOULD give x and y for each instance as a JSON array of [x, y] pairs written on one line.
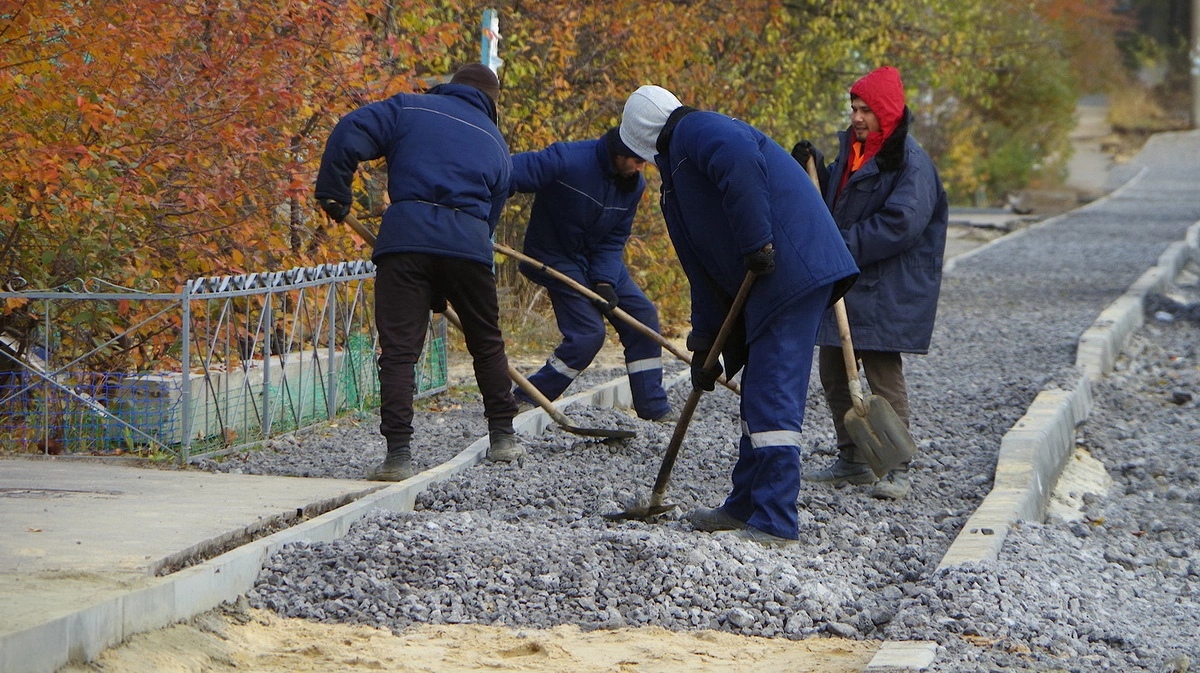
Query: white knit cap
[[645, 113]]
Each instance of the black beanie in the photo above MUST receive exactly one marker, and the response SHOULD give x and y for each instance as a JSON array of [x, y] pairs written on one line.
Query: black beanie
[[479, 76], [616, 147]]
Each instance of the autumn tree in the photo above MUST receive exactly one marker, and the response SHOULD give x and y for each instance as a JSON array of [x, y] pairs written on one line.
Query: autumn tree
[[150, 141]]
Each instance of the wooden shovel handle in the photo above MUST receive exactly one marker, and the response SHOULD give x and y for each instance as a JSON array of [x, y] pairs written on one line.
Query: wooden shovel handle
[[689, 408], [843, 323], [591, 294]]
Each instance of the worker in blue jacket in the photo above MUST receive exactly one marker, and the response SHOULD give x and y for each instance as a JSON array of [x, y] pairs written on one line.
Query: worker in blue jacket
[[888, 201], [448, 179], [586, 194], [735, 202]]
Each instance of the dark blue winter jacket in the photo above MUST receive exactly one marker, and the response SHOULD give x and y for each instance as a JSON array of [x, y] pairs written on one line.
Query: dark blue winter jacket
[[729, 190], [448, 170], [892, 213], [580, 221]]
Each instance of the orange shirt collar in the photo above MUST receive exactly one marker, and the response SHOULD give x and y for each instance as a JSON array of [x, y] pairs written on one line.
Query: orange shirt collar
[[857, 156]]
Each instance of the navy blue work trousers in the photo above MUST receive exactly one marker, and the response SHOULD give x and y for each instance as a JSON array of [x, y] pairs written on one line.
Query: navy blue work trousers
[[766, 477], [583, 330]]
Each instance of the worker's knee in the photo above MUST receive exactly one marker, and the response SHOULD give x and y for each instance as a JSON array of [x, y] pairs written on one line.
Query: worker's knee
[[581, 347]]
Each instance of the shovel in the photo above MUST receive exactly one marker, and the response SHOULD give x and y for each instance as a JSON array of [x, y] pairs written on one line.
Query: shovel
[[544, 402], [587, 292], [522, 382], [877, 431], [656, 507], [872, 423]]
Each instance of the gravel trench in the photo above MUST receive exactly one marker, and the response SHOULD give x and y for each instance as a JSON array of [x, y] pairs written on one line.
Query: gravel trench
[[1115, 588]]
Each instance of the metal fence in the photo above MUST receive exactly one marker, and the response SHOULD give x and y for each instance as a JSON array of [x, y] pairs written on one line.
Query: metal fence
[[218, 367]]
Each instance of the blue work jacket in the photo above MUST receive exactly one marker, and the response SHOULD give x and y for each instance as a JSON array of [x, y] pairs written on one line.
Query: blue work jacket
[[892, 214], [728, 190], [448, 170], [580, 221]]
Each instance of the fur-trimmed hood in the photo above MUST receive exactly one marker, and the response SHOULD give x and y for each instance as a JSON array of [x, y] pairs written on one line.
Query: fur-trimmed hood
[[891, 153]]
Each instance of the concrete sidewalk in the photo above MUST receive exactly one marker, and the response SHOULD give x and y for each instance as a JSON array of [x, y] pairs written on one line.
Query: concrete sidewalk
[[76, 533]]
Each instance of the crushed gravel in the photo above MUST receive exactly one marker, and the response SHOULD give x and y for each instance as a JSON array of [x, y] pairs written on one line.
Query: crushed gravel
[[1114, 589]]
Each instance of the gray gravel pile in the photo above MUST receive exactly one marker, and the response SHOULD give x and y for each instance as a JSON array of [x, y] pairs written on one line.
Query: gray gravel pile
[[1117, 586], [526, 546]]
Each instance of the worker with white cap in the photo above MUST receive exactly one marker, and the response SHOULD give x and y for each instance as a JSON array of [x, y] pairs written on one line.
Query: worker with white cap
[[735, 202]]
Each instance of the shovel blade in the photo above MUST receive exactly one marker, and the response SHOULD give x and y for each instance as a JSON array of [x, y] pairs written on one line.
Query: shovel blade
[[640, 513], [880, 435], [599, 432]]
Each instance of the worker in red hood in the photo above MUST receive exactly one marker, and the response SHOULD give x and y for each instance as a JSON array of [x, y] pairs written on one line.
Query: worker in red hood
[[889, 203]]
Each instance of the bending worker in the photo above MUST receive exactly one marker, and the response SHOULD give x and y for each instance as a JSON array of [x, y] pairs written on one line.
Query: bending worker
[[736, 203], [586, 195], [889, 203], [434, 242]]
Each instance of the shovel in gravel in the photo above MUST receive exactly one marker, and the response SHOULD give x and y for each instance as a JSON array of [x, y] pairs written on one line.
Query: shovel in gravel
[[544, 402], [877, 431], [872, 423], [523, 383], [655, 506], [587, 292]]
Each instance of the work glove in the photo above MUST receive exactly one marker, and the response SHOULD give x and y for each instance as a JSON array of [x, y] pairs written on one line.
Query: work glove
[[608, 297], [803, 150], [704, 379], [760, 262], [336, 210]]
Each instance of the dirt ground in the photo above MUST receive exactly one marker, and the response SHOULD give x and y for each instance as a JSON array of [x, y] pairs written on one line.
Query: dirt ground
[[254, 640]]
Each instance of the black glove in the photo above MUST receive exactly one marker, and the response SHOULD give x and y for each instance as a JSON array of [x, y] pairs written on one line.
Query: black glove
[[803, 150], [704, 379], [762, 261], [336, 210], [608, 297]]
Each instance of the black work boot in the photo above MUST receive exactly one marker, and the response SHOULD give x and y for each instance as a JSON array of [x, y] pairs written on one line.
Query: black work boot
[[503, 447], [714, 519], [844, 469], [397, 466]]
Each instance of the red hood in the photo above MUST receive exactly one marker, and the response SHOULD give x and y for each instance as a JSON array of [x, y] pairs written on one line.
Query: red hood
[[883, 92]]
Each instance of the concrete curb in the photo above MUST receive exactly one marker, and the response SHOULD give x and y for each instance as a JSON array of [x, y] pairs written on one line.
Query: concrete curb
[[1034, 451]]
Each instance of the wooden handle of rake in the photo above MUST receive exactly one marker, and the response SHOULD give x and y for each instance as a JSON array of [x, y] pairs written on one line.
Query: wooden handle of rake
[[685, 416], [590, 294]]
